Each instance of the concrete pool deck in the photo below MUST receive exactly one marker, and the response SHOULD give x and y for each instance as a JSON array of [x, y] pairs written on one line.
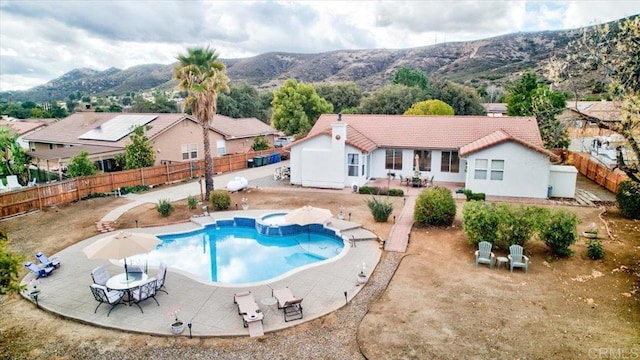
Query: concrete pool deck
[[208, 307]]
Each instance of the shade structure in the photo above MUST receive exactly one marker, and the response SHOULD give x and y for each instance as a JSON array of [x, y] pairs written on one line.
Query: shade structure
[[307, 215], [121, 245]]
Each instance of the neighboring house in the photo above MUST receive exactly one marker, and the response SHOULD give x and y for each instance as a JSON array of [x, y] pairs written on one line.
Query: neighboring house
[[495, 109], [501, 156], [175, 137], [23, 128]]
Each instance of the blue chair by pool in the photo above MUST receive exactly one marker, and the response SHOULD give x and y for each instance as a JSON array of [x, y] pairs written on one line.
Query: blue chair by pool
[[46, 262], [37, 270]]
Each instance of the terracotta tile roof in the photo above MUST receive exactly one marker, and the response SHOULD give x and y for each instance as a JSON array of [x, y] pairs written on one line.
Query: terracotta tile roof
[[603, 110], [429, 132], [498, 137], [22, 127], [67, 130], [240, 128]]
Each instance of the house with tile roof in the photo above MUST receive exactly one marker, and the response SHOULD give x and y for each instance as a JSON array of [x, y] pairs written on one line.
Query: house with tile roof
[[501, 156], [175, 137], [23, 128]]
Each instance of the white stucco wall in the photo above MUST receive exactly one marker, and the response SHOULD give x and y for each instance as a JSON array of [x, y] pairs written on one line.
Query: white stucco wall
[[526, 172], [562, 178]]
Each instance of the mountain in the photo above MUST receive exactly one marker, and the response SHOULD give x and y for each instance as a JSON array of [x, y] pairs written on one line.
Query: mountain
[[495, 60]]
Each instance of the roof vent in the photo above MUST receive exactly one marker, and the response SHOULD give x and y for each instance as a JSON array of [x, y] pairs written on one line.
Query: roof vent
[[339, 116]]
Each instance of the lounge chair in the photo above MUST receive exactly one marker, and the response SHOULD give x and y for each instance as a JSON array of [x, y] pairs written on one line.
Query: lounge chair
[[145, 291], [46, 262], [12, 182], [100, 275], [250, 312], [37, 270], [161, 276], [516, 259], [106, 296], [291, 306], [484, 254]]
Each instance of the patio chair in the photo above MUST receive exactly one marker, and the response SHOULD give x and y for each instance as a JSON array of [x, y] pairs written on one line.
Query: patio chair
[[46, 262], [32, 182], [37, 270], [161, 276], [3, 187], [12, 182], [291, 306], [106, 296], [100, 275], [250, 312], [145, 291], [484, 254], [517, 259]]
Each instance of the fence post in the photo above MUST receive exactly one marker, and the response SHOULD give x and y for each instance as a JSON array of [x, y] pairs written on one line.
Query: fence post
[[141, 176], [78, 187], [167, 170]]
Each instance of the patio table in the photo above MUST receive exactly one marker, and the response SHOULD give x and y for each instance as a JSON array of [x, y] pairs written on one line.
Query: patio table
[[120, 282]]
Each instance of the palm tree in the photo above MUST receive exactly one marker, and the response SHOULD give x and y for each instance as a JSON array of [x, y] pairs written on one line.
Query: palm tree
[[203, 76]]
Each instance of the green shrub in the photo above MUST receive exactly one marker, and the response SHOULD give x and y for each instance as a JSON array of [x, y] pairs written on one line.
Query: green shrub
[[480, 222], [559, 231], [164, 207], [192, 202], [220, 200], [133, 189], [595, 251], [435, 207], [10, 266], [380, 209], [373, 190], [628, 197], [396, 192], [471, 196]]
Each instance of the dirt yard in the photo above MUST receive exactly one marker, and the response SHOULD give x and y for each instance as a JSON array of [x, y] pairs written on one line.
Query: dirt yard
[[438, 305]]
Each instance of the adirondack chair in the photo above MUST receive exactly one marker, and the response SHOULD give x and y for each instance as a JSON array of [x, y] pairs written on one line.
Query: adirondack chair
[[484, 254], [12, 182], [516, 259]]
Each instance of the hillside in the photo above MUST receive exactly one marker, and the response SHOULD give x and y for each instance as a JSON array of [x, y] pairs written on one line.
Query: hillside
[[494, 60]]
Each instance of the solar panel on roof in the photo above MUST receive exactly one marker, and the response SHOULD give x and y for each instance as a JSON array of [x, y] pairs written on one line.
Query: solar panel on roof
[[117, 128]]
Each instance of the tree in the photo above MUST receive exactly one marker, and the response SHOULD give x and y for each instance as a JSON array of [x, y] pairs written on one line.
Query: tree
[[392, 100], [13, 159], [430, 107], [10, 266], [203, 76], [463, 99], [341, 95], [296, 107], [529, 96], [139, 153], [409, 77], [613, 50], [243, 101], [80, 165]]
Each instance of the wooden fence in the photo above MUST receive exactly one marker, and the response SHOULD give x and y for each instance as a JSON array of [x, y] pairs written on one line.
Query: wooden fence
[[57, 193], [597, 172]]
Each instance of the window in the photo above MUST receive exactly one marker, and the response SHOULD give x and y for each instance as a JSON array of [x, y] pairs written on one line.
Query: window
[[189, 151], [450, 162], [481, 169], [393, 159], [220, 147], [497, 169], [425, 159], [352, 160]]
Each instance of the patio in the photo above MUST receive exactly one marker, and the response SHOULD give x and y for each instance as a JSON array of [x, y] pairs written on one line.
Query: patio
[[208, 307]]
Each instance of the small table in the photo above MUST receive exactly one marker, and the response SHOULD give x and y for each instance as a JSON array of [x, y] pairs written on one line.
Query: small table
[[120, 282], [501, 260]]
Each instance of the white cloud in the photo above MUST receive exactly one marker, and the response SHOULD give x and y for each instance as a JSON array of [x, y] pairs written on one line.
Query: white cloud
[[42, 40]]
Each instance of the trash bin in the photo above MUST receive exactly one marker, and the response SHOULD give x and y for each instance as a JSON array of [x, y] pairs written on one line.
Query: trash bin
[[277, 157], [549, 191], [257, 161], [250, 163]]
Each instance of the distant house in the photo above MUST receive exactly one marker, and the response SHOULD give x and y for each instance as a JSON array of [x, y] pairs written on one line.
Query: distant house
[[495, 109], [24, 128], [502, 156], [175, 137]]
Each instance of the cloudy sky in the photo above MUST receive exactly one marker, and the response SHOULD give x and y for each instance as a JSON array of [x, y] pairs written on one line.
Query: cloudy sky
[[42, 40]]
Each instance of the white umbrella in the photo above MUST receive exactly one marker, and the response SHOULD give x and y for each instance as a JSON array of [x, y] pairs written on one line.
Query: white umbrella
[[308, 215], [417, 163], [120, 245]]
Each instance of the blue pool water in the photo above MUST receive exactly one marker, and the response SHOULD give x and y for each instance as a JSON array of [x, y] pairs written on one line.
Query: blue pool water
[[240, 251]]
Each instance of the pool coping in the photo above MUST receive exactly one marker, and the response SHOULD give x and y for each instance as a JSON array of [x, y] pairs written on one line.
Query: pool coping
[[209, 308]]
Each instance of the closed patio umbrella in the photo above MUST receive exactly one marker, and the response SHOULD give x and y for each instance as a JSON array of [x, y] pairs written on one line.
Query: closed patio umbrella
[[120, 245]]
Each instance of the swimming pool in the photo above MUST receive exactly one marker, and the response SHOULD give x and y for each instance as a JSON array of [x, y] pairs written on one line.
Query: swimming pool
[[244, 250]]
